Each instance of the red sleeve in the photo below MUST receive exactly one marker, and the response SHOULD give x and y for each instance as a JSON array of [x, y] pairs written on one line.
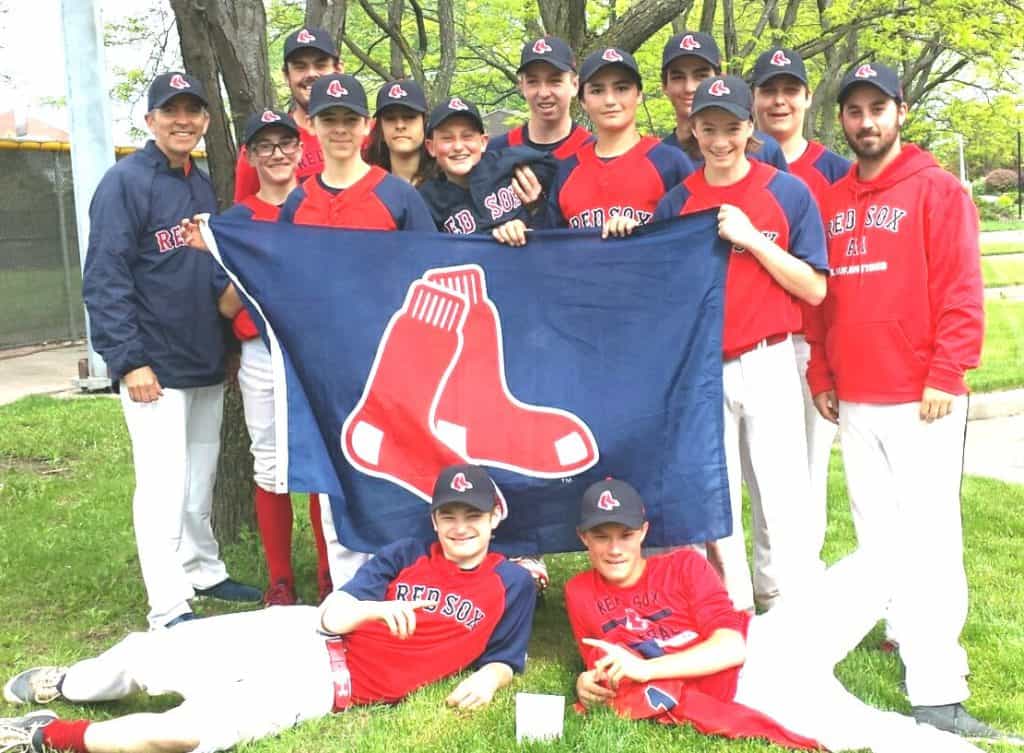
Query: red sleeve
[[709, 601], [577, 597], [247, 182], [954, 288], [819, 375]]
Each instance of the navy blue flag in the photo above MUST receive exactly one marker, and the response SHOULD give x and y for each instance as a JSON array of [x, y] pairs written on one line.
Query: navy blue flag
[[553, 365]]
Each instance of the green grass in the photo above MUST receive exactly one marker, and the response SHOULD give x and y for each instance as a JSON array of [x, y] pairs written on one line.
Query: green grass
[[70, 587], [988, 226], [998, 248], [1003, 353], [1001, 271]]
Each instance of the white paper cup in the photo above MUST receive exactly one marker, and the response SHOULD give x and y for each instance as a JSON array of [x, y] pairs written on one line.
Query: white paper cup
[[539, 716]]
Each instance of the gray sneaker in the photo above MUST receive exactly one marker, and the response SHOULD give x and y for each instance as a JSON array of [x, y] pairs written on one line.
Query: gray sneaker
[[953, 717], [36, 685], [17, 734]]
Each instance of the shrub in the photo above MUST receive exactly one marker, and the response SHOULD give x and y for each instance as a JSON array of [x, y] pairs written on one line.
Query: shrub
[[1002, 208], [1000, 180]]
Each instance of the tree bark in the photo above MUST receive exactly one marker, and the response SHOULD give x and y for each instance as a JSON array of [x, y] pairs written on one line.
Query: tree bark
[[638, 24], [233, 509]]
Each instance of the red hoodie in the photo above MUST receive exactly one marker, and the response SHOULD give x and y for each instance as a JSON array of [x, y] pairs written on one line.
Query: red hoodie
[[904, 308]]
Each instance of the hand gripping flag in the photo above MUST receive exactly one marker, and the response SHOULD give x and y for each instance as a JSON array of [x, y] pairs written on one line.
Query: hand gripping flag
[[553, 365]]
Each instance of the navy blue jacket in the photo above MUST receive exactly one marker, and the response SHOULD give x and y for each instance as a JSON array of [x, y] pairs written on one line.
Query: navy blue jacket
[[152, 301]]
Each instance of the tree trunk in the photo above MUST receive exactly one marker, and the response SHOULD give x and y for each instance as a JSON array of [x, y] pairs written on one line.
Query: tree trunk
[[233, 509]]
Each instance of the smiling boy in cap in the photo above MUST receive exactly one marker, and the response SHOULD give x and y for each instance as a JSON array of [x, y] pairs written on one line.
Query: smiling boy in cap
[[661, 640], [420, 611], [309, 53]]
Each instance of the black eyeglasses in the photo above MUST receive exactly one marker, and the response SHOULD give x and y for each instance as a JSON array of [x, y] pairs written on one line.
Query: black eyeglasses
[[266, 148]]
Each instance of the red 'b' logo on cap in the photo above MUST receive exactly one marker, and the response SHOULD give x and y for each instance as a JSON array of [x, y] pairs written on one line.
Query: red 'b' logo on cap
[[541, 46], [455, 103], [612, 55], [397, 92], [689, 43], [865, 71], [779, 58], [460, 483], [178, 82], [304, 37], [719, 89], [336, 90], [607, 502], [269, 116]]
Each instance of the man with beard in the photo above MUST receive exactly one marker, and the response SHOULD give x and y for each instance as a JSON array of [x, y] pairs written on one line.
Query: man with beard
[[903, 321], [309, 53]]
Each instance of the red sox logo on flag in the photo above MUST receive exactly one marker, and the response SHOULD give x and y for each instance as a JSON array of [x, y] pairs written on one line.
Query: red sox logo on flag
[[612, 55], [779, 58], [541, 46], [460, 483], [455, 103], [336, 90], [607, 502], [397, 92], [689, 43], [865, 71], [269, 116], [304, 37], [719, 89], [436, 396], [178, 82]]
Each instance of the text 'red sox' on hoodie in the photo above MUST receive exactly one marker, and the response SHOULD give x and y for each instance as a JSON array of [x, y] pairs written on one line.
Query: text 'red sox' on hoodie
[[904, 308]]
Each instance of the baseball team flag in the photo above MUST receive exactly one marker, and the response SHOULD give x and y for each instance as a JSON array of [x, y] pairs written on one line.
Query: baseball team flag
[[552, 365]]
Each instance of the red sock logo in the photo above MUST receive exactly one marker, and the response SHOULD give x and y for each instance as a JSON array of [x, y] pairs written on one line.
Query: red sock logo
[[479, 417], [436, 396]]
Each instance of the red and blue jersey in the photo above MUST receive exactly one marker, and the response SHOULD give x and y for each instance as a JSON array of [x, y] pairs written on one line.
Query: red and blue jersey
[[247, 181], [377, 201], [770, 151], [782, 208], [589, 190], [561, 149], [483, 615]]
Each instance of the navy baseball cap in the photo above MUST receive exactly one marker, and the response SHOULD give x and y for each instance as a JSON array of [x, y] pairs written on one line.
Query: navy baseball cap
[[268, 119], [337, 90], [464, 484], [550, 50], [310, 38], [777, 62], [609, 56], [878, 75], [450, 108], [611, 501], [695, 43], [168, 85], [404, 92], [730, 93]]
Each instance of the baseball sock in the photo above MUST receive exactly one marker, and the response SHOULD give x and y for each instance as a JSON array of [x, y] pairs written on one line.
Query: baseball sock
[[274, 518], [323, 569], [388, 433], [62, 734], [479, 417]]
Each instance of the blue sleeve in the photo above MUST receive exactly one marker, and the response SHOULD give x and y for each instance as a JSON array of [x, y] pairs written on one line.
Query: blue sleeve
[[498, 142], [238, 211], [770, 152], [672, 165], [552, 217], [806, 229], [511, 636], [108, 286], [291, 204], [832, 166], [371, 581], [417, 215], [671, 204]]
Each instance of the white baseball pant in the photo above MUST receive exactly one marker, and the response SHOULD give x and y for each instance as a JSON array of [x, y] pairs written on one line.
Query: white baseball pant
[[175, 443], [904, 478], [256, 380], [243, 676], [791, 656], [764, 418], [820, 436]]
